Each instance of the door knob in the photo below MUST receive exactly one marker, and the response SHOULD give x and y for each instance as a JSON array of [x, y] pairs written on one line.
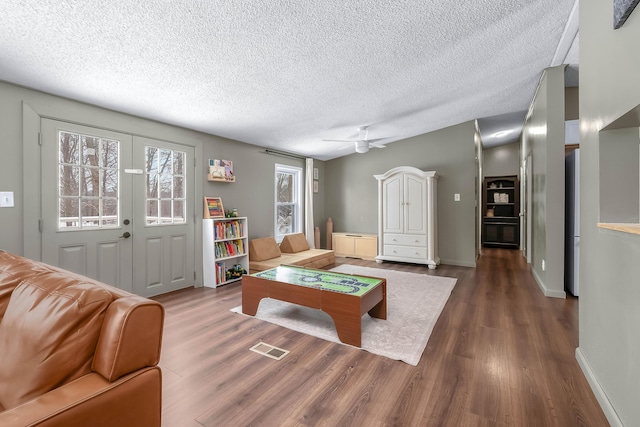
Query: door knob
[[125, 235]]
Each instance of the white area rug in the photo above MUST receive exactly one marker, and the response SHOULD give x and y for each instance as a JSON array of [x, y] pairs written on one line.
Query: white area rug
[[414, 303]]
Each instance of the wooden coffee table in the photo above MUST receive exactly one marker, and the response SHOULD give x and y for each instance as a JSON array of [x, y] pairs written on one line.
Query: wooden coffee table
[[344, 297]]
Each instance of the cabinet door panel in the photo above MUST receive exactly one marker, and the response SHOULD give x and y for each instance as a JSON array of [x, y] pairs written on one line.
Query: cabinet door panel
[[343, 245], [393, 205], [415, 204], [366, 247]]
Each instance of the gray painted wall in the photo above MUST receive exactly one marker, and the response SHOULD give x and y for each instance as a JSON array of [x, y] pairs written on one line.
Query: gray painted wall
[[619, 175], [352, 198], [347, 189], [251, 194], [543, 137], [609, 269], [502, 160]]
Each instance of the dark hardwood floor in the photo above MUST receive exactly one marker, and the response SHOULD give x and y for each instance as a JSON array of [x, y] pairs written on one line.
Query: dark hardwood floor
[[501, 354]]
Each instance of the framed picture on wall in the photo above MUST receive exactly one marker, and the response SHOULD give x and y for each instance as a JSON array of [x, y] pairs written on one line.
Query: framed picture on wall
[[221, 170], [213, 207]]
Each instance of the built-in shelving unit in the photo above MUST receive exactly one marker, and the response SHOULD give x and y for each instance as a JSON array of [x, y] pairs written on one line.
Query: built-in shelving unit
[[501, 210], [225, 250]]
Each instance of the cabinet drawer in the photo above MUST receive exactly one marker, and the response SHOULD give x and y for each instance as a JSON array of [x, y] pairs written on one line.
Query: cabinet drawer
[[405, 239], [405, 251]]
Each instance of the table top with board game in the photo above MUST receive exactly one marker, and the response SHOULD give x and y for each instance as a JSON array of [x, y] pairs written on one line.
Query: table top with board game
[[345, 297]]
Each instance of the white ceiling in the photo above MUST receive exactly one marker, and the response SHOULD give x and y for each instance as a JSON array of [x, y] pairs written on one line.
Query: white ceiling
[[287, 74]]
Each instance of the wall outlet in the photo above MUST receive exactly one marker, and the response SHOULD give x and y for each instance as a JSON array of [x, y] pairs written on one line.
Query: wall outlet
[[544, 267], [456, 197]]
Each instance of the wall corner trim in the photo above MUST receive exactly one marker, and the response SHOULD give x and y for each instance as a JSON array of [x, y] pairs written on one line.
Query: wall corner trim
[[545, 291], [601, 396]]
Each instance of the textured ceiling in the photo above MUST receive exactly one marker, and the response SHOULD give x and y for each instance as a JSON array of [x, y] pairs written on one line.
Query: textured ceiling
[[287, 74]]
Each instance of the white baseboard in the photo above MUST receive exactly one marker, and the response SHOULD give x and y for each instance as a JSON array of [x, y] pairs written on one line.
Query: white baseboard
[[543, 287], [457, 262], [601, 396]]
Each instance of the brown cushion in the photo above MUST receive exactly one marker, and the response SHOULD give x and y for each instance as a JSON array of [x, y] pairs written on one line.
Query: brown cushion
[[48, 335], [293, 243], [263, 248]]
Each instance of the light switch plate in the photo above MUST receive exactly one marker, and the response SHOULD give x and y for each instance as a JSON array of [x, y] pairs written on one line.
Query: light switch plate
[[6, 199], [456, 197]]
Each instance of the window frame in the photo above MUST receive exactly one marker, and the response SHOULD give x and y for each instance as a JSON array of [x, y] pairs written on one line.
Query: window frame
[[298, 220]]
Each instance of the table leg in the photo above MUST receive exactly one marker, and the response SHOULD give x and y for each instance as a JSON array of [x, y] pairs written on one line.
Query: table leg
[[253, 290]]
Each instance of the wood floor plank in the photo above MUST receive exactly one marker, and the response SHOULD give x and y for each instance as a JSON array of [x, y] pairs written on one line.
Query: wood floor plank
[[501, 354]]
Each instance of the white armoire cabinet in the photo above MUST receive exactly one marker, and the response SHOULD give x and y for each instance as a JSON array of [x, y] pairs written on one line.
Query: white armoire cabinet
[[407, 223]]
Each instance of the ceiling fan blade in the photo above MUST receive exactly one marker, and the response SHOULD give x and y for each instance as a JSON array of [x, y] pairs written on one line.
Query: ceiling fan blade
[[373, 144]]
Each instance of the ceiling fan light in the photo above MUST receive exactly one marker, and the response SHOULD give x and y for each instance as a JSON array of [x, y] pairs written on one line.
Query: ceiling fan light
[[362, 146]]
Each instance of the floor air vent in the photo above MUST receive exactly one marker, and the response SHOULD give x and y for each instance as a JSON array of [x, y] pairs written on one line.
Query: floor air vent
[[269, 351]]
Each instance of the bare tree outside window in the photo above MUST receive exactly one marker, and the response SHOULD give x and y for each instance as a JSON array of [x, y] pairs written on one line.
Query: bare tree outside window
[[88, 182], [288, 209], [165, 184]]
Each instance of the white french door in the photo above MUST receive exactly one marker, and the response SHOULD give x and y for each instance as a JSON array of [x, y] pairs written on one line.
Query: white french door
[[164, 228], [99, 195]]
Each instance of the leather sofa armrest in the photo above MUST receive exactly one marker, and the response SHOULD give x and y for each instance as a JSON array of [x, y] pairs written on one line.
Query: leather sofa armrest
[[133, 400]]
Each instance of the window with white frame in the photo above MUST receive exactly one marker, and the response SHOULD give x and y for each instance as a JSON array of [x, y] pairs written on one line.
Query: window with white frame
[[288, 201]]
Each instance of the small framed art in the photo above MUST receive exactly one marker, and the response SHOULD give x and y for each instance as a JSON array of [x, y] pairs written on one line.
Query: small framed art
[[213, 207], [221, 170]]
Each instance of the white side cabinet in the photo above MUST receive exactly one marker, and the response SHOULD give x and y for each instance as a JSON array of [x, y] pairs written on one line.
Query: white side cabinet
[[225, 250], [407, 220]]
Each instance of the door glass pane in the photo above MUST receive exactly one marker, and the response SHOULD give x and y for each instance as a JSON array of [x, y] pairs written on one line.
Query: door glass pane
[[166, 186], [88, 172], [69, 212], [69, 180]]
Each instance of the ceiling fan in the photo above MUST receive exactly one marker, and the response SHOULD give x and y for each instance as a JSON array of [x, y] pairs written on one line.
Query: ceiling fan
[[363, 142]]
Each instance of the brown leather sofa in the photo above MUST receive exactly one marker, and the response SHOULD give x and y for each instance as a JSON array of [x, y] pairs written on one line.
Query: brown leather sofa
[[74, 351]]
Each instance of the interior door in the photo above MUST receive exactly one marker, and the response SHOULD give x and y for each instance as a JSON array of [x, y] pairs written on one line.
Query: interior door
[[526, 215], [86, 203], [163, 227]]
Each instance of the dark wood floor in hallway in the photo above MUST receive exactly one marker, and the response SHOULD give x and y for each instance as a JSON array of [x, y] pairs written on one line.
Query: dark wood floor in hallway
[[501, 354]]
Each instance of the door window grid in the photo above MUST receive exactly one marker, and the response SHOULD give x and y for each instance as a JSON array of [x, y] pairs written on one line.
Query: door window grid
[[88, 185], [165, 186], [288, 214]]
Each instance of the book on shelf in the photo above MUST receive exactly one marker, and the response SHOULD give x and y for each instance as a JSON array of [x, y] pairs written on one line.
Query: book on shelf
[[221, 274], [228, 230]]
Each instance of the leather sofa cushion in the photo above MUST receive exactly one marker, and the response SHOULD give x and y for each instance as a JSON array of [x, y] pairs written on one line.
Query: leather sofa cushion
[[13, 270], [263, 248], [293, 243], [48, 335]]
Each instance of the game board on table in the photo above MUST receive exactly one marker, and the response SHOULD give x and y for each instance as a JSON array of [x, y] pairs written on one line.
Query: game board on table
[[325, 280]]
